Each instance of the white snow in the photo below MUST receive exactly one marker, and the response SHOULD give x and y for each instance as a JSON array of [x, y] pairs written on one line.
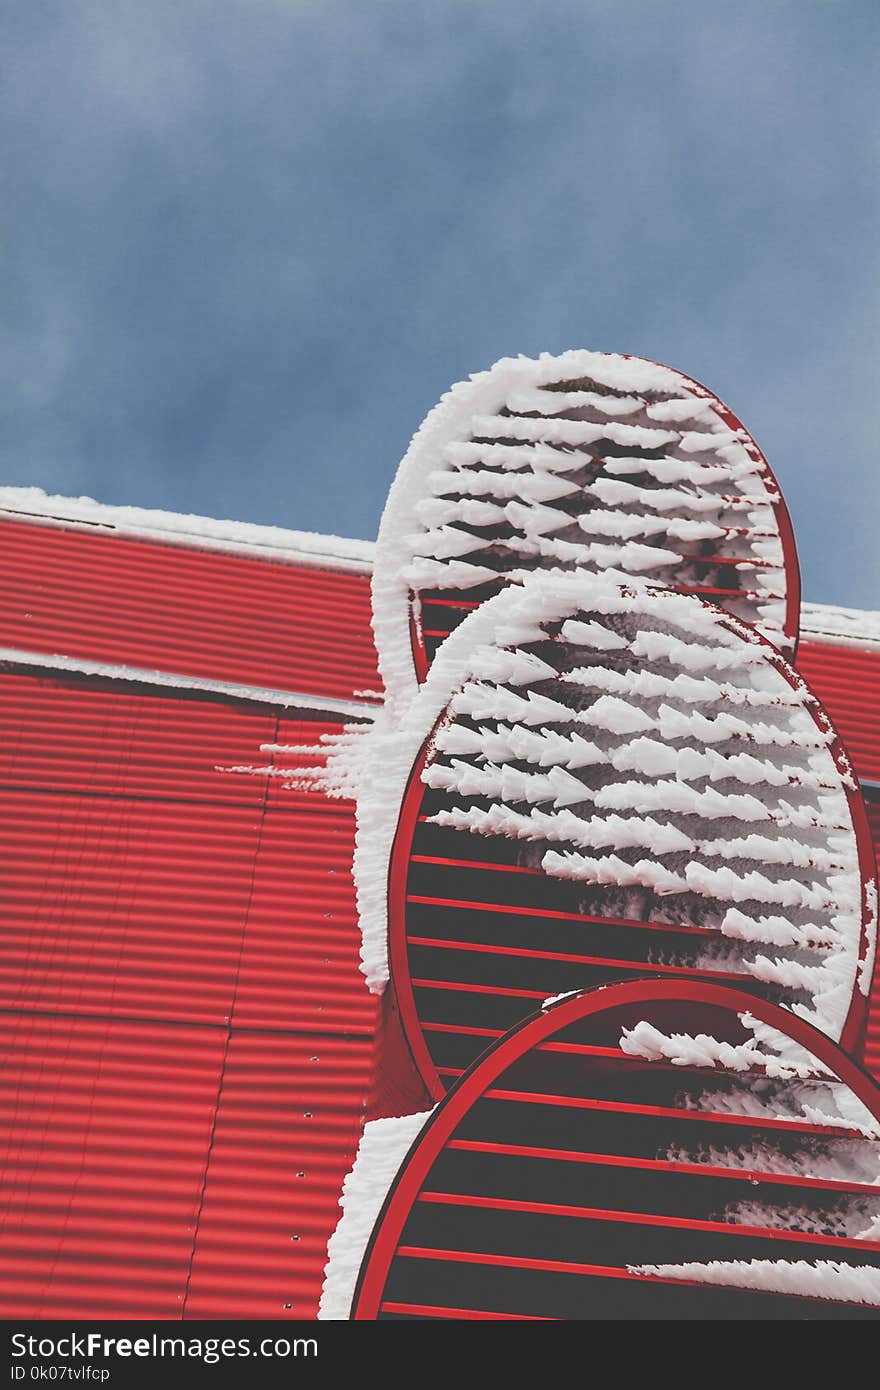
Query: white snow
[[525, 401], [682, 1050], [382, 1149], [308, 548], [622, 791], [841, 627], [868, 955], [558, 998], [673, 470], [695, 657], [472, 449], [551, 429], [826, 1279], [592, 634]]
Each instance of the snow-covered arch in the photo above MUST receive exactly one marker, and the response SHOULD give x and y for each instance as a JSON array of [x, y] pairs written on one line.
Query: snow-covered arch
[[648, 758], [585, 462]]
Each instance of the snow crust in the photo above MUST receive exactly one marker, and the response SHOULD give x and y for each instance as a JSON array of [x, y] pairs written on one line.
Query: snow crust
[[382, 1149]]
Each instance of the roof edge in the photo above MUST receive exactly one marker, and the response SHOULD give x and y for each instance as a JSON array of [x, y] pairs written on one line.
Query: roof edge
[[200, 532], [828, 623], [841, 627]]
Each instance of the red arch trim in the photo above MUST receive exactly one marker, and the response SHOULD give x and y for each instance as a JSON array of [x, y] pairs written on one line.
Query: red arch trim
[[530, 1034]]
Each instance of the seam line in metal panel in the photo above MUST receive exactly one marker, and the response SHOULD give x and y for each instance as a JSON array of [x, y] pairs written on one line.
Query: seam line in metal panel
[[226, 1045]]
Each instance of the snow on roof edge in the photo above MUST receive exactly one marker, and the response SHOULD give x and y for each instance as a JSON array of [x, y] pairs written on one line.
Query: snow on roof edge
[[204, 533], [841, 627]]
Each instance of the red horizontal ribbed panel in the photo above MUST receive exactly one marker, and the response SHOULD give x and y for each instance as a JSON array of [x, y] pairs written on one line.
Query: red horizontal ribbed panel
[[847, 681], [107, 1128], [104, 738], [287, 1131], [123, 907], [146, 889], [303, 737], [299, 966], [194, 612]]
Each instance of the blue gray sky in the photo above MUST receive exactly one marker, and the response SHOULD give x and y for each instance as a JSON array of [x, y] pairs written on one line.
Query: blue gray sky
[[248, 243]]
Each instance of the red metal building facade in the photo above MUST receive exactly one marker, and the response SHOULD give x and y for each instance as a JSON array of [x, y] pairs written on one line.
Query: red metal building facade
[[187, 1039]]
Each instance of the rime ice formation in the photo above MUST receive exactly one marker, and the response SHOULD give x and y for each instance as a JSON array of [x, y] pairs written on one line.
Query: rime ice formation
[[657, 800], [585, 462]]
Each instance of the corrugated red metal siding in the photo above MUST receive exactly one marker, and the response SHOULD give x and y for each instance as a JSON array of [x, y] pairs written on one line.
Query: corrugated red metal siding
[[304, 867], [847, 681], [106, 1134], [287, 1132], [180, 943], [194, 612], [127, 908], [104, 739]]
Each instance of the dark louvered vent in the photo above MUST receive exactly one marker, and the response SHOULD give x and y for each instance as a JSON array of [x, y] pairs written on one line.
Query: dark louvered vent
[[570, 1175]]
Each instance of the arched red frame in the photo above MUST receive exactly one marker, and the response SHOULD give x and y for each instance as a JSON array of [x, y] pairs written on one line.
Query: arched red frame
[[791, 564], [790, 561], [852, 1037], [529, 1034]]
